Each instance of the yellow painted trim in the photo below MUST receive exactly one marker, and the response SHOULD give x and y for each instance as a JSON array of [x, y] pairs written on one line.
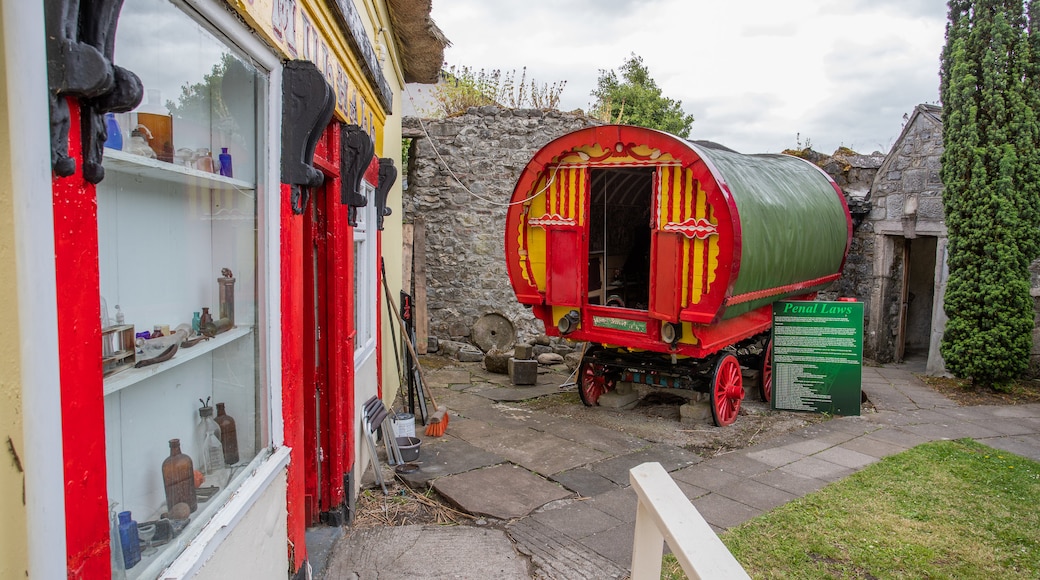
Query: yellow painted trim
[[348, 80]]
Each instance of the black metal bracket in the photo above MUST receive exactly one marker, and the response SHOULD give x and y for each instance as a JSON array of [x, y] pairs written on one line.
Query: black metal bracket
[[307, 106], [80, 48], [355, 154], [387, 177]]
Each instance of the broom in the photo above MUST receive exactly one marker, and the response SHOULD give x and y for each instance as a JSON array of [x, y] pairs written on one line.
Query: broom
[[437, 422]]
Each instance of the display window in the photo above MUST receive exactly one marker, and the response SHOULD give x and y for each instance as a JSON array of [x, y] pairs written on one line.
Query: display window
[[186, 415]]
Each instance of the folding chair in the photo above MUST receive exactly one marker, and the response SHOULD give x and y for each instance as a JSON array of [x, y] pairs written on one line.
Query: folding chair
[[374, 416]]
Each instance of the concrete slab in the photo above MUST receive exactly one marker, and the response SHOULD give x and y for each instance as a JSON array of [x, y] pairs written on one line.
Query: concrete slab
[[818, 469], [610, 441], [436, 552], [620, 503], [739, 464], [445, 457], [776, 457], [555, 555], [577, 519], [873, 446], [584, 482], [846, 457], [705, 476], [540, 452], [670, 457], [723, 512], [756, 494], [792, 483], [503, 491], [614, 544]]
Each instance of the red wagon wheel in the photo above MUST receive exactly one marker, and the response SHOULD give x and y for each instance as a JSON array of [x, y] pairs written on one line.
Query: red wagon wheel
[[765, 387], [727, 390], [593, 381]]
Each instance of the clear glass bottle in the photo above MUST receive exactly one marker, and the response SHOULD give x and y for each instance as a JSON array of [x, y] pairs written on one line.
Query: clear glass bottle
[[207, 437], [115, 545]]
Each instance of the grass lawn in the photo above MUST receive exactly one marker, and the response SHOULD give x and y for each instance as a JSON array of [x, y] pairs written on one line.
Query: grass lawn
[[948, 509]]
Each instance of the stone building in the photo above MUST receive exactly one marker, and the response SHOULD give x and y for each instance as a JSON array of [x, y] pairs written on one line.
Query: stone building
[[906, 317]]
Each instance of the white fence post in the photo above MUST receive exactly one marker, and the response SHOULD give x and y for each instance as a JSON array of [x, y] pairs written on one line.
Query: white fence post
[[663, 514]]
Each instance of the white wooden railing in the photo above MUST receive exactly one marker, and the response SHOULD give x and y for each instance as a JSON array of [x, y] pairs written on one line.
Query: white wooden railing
[[665, 515]]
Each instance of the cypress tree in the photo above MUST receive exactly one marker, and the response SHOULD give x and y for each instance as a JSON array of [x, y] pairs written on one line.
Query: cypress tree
[[989, 173]]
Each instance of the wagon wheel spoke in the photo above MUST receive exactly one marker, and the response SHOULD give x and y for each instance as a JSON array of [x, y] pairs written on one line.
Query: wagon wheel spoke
[[727, 390], [765, 387], [593, 381]]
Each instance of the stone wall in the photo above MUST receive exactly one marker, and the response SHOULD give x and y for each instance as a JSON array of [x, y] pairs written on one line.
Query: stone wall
[[485, 149]]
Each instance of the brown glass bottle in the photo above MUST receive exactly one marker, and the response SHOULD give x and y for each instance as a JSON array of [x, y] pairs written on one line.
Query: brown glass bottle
[[178, 475], [228, 435]]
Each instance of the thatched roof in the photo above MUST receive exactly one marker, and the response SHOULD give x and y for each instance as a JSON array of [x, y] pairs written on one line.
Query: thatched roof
[[419, 41]]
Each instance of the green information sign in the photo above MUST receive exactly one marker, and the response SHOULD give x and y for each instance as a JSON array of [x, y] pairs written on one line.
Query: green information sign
[[817, 356]]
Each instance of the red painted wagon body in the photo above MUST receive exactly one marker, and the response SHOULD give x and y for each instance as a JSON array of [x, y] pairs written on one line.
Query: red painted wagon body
[[667, 254]]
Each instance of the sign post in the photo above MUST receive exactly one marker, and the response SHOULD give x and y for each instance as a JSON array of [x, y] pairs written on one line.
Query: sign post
[[818, 356]]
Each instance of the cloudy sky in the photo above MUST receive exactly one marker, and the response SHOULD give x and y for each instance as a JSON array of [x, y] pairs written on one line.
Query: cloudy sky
[[757, 75]]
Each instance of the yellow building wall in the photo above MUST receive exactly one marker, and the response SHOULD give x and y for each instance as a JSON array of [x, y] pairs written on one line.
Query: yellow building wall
[[13, 533]]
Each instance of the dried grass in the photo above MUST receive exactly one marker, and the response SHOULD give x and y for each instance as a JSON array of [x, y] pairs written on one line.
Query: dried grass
[[404, 506]]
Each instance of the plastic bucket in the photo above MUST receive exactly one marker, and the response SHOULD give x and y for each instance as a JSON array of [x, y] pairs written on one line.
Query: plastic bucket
[[409, 447], [404, 425]]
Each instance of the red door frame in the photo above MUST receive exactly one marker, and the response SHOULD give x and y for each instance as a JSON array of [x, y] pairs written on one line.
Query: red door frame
[[77, 278]]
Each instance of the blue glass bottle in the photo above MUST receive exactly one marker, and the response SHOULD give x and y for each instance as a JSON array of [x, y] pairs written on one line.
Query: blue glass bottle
[[128, 540], [225, 163], [115, 136]]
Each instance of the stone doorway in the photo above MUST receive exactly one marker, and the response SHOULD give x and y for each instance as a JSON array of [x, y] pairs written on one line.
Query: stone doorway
[[917, 296]]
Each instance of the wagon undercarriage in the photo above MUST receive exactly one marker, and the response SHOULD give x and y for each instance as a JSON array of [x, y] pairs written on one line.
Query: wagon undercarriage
[[720, 375]]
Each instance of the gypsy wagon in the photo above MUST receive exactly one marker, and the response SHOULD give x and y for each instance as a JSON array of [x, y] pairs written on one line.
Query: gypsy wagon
[[665, 255]]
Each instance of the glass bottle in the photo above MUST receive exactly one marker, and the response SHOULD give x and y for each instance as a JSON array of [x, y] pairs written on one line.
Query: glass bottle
[[128, 540], [196, 323], [114, 138], [228, 435], [179, 478], [207, 437], [225, 162], [157, 119], [115, 544]]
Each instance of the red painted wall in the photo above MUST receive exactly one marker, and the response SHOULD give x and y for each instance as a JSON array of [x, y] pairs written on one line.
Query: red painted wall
[[292, 372]]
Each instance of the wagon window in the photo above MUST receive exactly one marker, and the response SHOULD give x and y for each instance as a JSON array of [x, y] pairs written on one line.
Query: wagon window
[[619, 236]]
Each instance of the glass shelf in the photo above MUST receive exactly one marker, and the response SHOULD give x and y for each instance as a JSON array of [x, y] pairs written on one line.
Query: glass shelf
[[130, 164], [129, 377]]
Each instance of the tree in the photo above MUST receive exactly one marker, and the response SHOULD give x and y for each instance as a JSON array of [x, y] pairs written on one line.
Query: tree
[[635, 99], [989, 173]]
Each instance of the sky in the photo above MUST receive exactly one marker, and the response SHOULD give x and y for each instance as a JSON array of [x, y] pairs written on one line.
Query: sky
[[758, 76]]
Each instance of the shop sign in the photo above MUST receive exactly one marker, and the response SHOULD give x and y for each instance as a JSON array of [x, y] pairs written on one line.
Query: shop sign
[[818, 356], [287, 25]]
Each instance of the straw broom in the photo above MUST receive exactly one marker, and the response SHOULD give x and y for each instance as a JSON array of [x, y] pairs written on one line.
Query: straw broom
[[437, 422]]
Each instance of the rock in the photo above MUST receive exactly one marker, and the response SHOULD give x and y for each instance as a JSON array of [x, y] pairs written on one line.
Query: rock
[[542, 340], [497, 362], [572, 360], [523, 372], [469, 354], [523, 351], [540, 349], [451, 347], [550, 358]]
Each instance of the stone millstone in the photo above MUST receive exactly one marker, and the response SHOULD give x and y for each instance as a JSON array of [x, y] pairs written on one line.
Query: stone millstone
[[493, 332]]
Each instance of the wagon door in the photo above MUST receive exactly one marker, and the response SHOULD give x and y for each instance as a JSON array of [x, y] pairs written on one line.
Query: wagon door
[[685, 248], [564, 225]]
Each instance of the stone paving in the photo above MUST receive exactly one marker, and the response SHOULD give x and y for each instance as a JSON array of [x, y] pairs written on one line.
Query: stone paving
[[561, 491]]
